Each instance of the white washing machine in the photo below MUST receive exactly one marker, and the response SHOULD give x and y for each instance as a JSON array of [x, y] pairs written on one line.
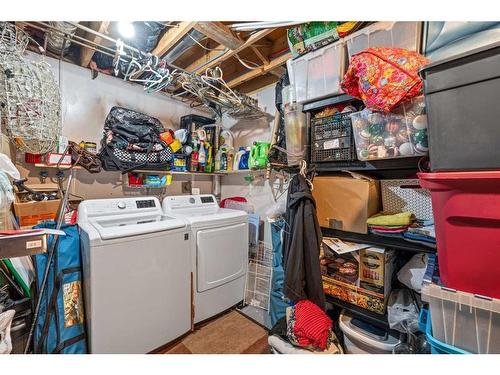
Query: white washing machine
[[137, 265], [219, 253]]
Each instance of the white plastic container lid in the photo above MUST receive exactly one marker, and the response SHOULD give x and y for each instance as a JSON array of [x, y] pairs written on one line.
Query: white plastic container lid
[[461, 298], [356, 334]]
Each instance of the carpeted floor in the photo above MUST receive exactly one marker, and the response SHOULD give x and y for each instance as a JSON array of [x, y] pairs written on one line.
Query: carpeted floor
[[230, 333]]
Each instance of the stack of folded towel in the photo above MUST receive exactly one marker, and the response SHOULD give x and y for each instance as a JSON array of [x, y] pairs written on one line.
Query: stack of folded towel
[[403, 225], [423, 233], [390, 225]]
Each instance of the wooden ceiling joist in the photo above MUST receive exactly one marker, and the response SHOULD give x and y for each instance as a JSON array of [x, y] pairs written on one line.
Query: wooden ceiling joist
[[172, 37], [273, 64], [86, 52], [206, 59], [216, 61], [259, 54], [278, 72], [219, 32]]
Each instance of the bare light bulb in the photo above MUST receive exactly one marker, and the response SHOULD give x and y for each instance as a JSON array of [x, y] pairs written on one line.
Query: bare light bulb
[[126, 29]]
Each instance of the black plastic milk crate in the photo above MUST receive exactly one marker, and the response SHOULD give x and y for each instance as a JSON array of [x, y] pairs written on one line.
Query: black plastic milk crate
[[332, 138]]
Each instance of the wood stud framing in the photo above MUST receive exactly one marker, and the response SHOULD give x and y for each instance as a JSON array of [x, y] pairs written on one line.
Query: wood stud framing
[[86, 52]]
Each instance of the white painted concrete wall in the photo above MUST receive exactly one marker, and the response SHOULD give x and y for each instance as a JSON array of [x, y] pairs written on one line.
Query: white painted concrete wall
[[246, 132], [85, 105]]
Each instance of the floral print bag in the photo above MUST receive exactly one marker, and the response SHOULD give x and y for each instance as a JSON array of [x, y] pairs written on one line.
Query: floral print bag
[[384, 77]]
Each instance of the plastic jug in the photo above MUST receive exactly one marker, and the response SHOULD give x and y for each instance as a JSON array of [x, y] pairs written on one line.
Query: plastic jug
[[237, 158], [243, 164], [258, 155]]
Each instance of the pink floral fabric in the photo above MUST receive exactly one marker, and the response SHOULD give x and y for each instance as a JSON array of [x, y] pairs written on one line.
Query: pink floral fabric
[[384, 77]]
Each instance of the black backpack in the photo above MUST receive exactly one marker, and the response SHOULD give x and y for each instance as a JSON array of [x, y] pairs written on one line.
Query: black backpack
[[131, 141]]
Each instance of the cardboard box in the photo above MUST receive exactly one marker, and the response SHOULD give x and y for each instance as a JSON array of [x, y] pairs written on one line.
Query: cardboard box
[[362, 277], [32, 213], [346, 202]]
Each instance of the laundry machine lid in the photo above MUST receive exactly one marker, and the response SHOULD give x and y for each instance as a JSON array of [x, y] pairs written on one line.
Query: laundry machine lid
[[110, 228], [201, 210], [125, 217]]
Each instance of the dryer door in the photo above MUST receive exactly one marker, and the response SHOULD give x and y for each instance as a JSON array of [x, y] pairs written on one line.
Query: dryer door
[[221, 256]]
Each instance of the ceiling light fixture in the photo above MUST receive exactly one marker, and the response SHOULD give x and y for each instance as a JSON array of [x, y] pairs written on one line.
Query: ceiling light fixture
[[126, 29]]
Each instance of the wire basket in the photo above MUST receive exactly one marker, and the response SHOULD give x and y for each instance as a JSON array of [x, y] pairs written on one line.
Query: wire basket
[[259, 276], [332, 138]]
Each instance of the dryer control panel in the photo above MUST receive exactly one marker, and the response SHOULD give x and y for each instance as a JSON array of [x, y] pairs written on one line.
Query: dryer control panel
[[118, 206], [179, 202]]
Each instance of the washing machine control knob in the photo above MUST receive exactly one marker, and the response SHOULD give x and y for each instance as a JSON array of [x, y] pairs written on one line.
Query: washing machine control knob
[[191, 200], [121, 205]]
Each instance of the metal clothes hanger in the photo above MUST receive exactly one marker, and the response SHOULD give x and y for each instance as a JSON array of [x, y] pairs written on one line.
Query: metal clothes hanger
[[303, 173]]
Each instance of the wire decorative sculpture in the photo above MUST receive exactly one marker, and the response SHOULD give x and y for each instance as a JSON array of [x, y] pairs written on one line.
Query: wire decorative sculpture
[[30, 101]]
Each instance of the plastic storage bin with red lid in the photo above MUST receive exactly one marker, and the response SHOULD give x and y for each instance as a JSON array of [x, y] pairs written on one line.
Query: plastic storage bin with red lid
[[466, 209]]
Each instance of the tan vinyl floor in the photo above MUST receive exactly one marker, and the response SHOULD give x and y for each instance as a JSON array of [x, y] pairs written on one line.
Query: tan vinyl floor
[[230, 333]]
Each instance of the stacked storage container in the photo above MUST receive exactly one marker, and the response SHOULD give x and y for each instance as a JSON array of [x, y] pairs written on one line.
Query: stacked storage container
[[462, 107], [385, 34], [318, 74]]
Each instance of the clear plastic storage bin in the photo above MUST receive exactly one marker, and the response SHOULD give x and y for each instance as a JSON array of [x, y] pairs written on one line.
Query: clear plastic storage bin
[[318, 74], [380, 135], [385, 34], [464, 320]]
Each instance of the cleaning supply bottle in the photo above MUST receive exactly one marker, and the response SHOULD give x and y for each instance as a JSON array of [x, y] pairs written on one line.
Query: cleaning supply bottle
[[258, 155], [218, 160], [209, 166], [244, 159], [223, 161], [193, 167], [237, 158], [202, 156], [230, 159]]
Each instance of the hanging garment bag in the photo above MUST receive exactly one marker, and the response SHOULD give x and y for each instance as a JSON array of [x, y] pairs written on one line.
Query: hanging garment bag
[[60, 328]]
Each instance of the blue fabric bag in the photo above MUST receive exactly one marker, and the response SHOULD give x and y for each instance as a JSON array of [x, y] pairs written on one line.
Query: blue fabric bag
[[60, 328], [278, 303]]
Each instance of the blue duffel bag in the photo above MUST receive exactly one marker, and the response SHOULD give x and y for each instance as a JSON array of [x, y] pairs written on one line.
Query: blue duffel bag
[[60, 327]]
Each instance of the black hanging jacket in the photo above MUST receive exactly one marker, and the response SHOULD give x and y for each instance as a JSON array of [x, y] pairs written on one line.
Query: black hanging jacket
[[302, 245]]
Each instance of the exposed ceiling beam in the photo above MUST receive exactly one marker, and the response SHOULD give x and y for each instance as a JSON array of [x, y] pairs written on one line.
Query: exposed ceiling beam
[[278, 72], [251, 40], [257, 84], [86, 53], [219, 32], [172, 37], [206, 58], [273, 64], [259, 54]]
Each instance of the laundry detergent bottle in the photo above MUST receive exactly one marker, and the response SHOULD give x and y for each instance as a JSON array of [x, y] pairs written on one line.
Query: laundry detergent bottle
[[237, 158], [258, 155], [244, 159]]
